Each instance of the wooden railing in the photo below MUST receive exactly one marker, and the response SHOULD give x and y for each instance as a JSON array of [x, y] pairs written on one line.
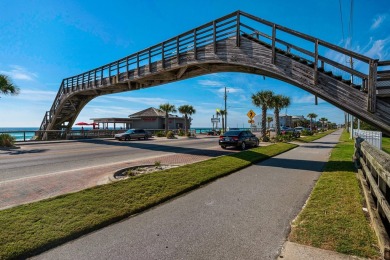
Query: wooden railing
[[374, 166], [236, 24]]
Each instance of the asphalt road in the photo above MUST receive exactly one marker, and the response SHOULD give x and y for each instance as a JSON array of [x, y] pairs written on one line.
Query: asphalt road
[[48, 158], [245, 215]]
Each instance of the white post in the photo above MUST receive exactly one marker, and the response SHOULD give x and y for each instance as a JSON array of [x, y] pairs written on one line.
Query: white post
[[351, 137]]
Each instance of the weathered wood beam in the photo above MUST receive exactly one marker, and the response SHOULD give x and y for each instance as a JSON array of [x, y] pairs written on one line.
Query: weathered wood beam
[[372, 86], [206, 67], [181, 72]]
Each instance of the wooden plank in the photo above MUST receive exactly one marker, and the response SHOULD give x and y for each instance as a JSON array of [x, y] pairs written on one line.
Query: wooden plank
[[342, 67]]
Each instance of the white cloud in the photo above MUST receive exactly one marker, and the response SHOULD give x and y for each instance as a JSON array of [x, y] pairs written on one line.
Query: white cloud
[[210, 83], [20, 73], [377, 49], [377, 21], [230, 90], [154, 102], [36, 95]]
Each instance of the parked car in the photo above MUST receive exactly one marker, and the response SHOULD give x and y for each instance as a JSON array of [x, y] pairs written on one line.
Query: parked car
[[292, 131], [299, 129], [133, 134], [238, 138]]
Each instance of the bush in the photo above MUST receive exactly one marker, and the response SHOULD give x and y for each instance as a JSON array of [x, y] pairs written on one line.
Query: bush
[[170, 135], [160, 134], [265, 139], [181, 133], [306, 132], [6, 140], [284, 137], [189, 134]]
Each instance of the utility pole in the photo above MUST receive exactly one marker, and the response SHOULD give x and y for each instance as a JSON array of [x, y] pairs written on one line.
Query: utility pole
[[225, 97]]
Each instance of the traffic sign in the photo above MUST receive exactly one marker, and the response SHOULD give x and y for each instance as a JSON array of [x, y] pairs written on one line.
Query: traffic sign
[[251, 114], [215, 120]]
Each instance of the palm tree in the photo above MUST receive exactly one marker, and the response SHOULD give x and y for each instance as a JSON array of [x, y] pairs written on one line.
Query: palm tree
[[263, 99], [7, 87], [279, 102], [269, 120], [167, 108], [186, 110], [223, 114], [311, 116], [323, 120]]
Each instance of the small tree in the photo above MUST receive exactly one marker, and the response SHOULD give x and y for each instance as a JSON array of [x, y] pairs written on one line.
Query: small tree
[[323, 120], [279, 102], [186, 110], [311, 116], [263, 99], [167, 108], [223, 114]]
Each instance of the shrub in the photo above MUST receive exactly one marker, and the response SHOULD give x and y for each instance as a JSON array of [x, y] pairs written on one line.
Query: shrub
[[6, 140], [265, 139], [284, 137], [160, 134], [181, 133], [306, 132], [170, 135], [189, 134]]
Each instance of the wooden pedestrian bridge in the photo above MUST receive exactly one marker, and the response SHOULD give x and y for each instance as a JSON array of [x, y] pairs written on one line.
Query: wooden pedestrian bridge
[[238, 42]]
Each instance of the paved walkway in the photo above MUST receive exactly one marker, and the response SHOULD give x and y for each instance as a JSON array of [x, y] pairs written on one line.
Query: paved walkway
[[245, 215]]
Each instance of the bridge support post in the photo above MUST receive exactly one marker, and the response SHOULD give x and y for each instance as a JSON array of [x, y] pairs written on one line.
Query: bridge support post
[[238, 43], [273, 59], [371, 105], [316, 62]]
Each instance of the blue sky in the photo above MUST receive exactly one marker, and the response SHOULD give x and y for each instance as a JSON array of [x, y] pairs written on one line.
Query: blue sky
[[43, 42]]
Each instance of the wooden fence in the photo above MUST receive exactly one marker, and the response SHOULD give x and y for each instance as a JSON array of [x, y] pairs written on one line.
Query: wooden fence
[[374, 172]]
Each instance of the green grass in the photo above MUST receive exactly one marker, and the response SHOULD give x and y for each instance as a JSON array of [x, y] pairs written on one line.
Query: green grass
[[310, 138], [333, 218], [33, 228], [386, 144]]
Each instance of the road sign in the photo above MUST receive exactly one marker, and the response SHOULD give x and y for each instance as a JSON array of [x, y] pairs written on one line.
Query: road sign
[[215, 120], [251, 114], [251, 121]]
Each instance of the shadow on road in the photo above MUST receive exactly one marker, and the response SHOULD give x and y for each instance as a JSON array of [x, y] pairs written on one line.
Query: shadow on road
[[172, 147], [19, 151]]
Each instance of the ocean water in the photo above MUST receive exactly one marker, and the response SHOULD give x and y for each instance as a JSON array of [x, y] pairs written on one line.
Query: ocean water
[[28, 133], [20, 133]]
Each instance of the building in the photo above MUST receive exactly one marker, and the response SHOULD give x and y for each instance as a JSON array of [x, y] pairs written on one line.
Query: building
[[150, 118]]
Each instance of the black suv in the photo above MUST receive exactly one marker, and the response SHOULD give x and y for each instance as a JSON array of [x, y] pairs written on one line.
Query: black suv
[[133, 134], [238, 138]]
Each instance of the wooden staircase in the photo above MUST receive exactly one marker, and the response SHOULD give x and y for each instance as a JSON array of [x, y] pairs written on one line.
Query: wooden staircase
[[238, 42]]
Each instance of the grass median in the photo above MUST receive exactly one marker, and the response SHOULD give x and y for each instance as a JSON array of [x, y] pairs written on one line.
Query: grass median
[[386, 144], [333, 218], [310, 138], [33, 228]]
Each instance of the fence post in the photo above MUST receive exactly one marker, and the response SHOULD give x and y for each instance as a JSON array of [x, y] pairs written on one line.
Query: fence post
[[238, 42], [273, 43], [371, 102]]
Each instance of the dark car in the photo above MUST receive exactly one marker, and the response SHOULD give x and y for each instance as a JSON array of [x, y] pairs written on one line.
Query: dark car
[[238, 138], [133, 134], [292, 131]]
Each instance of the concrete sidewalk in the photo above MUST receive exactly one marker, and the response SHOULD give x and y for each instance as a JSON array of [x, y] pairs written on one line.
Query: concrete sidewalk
[[245, 215]]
